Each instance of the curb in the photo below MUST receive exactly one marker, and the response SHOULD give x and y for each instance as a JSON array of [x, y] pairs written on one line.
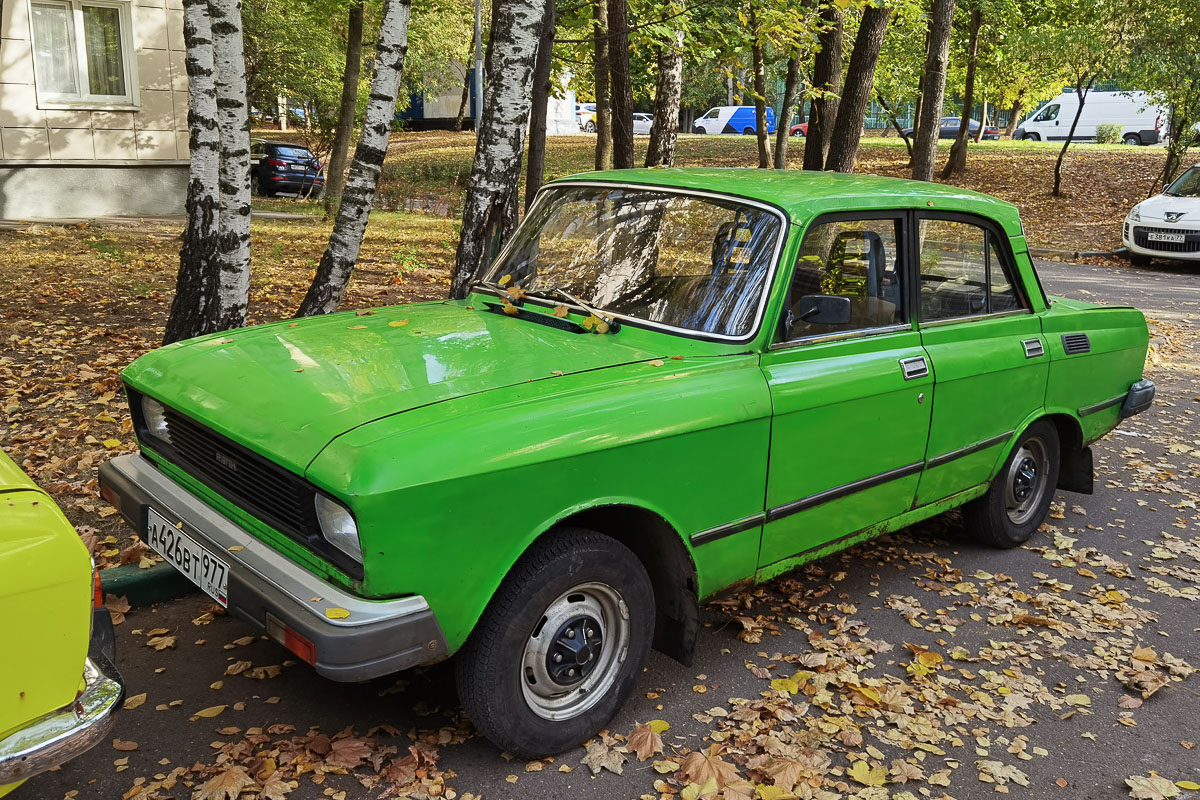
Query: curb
[[143, 587], [1039, 252]]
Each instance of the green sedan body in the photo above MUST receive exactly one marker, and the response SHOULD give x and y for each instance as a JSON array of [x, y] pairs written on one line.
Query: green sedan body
[[362, 486]]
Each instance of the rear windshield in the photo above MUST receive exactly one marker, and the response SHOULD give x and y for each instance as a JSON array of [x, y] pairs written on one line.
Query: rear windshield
[[294, 152]]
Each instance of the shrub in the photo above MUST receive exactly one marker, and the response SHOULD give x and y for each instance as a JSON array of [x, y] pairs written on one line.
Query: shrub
[[1109, 133]]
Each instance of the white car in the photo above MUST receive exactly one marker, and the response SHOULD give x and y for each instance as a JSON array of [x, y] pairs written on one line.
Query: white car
[[641, 124], [1140, 120], [1167, 225]]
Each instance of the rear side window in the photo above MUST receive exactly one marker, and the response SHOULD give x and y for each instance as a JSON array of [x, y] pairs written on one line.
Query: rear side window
[[293, 152], [963, 273]]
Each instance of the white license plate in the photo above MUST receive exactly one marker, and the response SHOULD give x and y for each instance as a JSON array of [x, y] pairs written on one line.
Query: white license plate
[[189, 557], [1177, 238]]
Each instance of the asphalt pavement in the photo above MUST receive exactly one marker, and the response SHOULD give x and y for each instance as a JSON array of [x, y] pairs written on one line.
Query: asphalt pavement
[[1147, 485]]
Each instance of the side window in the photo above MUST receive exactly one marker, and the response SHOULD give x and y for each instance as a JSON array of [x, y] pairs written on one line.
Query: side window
[[962, 272], [1049, 112], [858, 260]]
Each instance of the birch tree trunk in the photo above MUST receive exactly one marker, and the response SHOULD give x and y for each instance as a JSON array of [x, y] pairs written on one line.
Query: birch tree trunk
[[621, 85], [933, 90], [536, 167], [333, 272], [856, 93], [490, 208], [664, 131], [602, 70], [465, 101], [827, 76], [335, 176], [957, 162], [783, 125], [760, 94], [983, 121], [194, 309], [233, 122]]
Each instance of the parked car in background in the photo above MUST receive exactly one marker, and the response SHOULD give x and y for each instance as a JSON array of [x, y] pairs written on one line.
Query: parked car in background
[[732, 119], [1140, 120], [1166, 225], [585, 114], [948, 129], [61, 690], [801, 129], [284, 167], [642, 124], [525, 478]]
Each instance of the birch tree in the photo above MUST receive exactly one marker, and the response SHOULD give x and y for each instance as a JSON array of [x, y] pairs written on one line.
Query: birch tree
[[333, 271], [194, 309], [664, 130], [490, 208], [621, 84], [603, 76], [933, 90], [335, 178], [536, 167]]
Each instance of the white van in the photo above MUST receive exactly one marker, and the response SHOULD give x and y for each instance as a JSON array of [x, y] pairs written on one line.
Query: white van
[[732, 119], [1141, 122]]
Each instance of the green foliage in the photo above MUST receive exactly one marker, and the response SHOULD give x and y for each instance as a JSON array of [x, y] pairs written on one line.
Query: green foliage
[[1108, 133]]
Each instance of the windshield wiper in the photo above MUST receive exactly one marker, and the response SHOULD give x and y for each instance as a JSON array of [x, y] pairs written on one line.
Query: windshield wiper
[[607, 319]]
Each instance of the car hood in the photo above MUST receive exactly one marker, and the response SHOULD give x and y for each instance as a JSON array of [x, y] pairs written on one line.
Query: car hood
[[288, 388], [1154, 209]]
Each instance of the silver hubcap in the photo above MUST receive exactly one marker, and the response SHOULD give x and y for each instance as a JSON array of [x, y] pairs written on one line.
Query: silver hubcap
[[576, 650], [1026, 482]]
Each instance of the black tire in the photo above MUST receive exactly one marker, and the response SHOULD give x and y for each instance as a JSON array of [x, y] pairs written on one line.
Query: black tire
[[747, 131], [1132, 139], [1033, 137], [1138, 260], [264, 190], [506, 670], [698, 129], [799, 134], [1016, 503], [589, 127]]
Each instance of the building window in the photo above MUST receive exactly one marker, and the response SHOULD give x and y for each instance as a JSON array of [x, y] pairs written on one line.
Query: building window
[[83, 53]]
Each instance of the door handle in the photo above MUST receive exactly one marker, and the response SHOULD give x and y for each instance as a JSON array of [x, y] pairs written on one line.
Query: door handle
[[915, 367], [1033, 348]]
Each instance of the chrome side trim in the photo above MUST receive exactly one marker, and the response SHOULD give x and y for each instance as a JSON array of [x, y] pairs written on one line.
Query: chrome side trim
[[933, 323], [838, 492], [256, 561], [728, 529], [833, 337], [971, 449], [1095, 408], [59, 736]]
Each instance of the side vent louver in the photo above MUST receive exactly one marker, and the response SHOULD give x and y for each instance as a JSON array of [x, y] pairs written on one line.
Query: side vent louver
[[1075, 343]]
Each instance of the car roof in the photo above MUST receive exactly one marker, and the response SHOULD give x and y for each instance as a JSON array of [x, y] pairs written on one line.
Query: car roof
[[286, 144], [803, 194]]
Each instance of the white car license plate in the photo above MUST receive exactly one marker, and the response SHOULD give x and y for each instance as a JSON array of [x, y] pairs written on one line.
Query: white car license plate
[[183, 552], [1177, 238]]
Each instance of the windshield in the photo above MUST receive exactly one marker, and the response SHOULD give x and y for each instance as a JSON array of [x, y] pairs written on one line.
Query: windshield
[[1187, 185], [689, 262]]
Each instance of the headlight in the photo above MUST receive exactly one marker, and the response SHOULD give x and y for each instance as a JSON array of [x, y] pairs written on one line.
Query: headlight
[[1135, 215], [338, 526], [155, 417]]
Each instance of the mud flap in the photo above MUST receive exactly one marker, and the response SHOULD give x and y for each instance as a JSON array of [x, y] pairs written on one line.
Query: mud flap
[[1076, 473]]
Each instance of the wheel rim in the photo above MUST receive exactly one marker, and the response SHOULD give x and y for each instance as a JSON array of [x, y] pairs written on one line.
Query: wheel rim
[[575, 652], [1026, 482]]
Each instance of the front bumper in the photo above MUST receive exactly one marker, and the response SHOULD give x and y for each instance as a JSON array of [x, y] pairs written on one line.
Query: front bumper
[[1132, 246], [63, 734], [273, 593]]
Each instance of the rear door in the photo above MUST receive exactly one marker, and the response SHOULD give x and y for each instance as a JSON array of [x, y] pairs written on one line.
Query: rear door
[[850, 399], [987, 350]]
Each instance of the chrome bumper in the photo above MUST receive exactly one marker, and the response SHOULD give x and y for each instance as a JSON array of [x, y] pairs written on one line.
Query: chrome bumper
[[61, 735]]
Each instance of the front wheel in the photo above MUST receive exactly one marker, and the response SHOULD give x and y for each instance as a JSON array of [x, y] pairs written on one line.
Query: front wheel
[[1016, 503], [590, 127], [1139, 260], [1132, 139], [560, 646], [698, 129]]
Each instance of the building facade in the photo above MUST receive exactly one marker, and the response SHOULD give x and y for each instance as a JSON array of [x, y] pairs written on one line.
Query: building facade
[[93, 108]]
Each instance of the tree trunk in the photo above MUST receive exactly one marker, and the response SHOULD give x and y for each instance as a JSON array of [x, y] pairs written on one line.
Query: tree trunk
[[490, 208], [856, 93], [827, 77], [536, 168], [602, 70], [783, 125], [957, 162], [664, 131], [1081, 91], [233, 123], [335, 176], [194, 308], [464, 102], [622, 84], [895, 122], [1014, 116], [333, 272], [933, 90], [760, 95], [983, 120]]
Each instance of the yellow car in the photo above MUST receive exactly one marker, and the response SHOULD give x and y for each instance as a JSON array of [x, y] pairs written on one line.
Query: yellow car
[[59, 688]]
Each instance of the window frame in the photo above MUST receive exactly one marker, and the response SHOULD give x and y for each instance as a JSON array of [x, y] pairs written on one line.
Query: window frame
[[84, 99], [993, 234], [904, 270]]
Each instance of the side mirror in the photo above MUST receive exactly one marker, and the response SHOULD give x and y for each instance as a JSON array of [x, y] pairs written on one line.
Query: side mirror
[[1165, 187], [824, 309]]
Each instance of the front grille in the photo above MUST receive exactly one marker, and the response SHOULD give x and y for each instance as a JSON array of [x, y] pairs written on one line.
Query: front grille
[[1190, 244], [276, 496]]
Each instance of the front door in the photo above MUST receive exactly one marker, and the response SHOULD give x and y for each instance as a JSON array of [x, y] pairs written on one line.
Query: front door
[[850, 386], [986, 346]]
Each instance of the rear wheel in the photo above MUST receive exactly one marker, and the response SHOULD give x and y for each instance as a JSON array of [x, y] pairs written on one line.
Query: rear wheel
[[1016, 503], [561, 645], [589, 127], [1132, 139], [264, 189], [1033, 137], [747, 131]]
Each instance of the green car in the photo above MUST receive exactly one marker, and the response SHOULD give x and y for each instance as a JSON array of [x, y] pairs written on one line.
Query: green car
[[59, 688], [669, 382]]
